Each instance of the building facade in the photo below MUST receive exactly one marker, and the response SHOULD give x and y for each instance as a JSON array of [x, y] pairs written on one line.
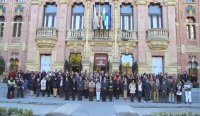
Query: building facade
[[158, 35]]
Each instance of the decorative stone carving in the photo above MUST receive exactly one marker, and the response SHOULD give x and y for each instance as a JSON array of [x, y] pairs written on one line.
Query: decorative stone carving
[[141, 2], [46, 37], [64, 1], [182, 49], [36, 2], [158, 39], [170, 2]]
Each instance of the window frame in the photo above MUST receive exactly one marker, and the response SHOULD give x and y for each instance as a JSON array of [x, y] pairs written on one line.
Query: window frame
[[129, 17], [73, 21], [53, 14], [17, 25], [2, 21], [157, 17]]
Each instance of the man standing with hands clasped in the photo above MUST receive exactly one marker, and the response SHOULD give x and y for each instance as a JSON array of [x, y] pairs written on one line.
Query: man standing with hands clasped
[[188, 87]]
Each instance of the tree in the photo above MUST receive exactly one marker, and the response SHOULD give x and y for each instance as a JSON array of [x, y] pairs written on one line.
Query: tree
[[126, 66], [2, 65], [75, 59]]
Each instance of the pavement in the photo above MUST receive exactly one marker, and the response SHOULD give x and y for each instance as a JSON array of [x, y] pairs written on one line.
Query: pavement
[[51, 106]]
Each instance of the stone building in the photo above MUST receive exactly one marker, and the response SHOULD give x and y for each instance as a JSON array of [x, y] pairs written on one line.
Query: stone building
[[157, 35]]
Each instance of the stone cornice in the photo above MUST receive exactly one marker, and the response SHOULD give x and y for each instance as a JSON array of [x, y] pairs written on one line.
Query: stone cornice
[[64, 1], [184, 49], [170, 2], [140, 2], [36, 2], [8, 47]]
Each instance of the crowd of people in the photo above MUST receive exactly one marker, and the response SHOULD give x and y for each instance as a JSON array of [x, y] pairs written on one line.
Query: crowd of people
[[159, 88]]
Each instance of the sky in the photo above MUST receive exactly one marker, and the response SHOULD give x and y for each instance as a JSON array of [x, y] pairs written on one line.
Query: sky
[[127, 58]]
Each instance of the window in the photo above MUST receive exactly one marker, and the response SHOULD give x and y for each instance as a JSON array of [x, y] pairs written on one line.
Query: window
[[50, 15], [77, 17], [2, 0], [189, 0], [190, 27], [155, 16], [17, 26], [19, 0], [126, 17], [14, 64], [102, 22], [1, 25]]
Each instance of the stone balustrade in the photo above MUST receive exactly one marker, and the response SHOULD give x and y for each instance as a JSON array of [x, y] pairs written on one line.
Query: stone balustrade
[[158, 38], [46, 36], [102, 34], [75, 34], [158, 32], [127, 35]]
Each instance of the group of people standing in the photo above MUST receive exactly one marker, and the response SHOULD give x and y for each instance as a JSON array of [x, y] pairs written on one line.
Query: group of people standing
[[159, 88]]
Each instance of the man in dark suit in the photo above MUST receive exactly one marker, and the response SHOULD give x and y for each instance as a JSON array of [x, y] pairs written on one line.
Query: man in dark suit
[[80, 85], [104, 86]]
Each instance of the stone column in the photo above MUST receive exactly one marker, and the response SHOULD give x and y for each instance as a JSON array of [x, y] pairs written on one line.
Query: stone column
[[86, 60], [115, 62], [142, 24]]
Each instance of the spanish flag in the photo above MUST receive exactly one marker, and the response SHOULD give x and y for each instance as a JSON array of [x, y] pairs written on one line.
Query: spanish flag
[[99, 17]]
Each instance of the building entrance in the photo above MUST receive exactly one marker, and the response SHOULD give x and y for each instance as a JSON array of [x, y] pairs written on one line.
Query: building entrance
[[101, 63]]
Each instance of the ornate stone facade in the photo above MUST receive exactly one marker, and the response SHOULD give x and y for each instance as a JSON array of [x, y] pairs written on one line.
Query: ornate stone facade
[[169, 42]]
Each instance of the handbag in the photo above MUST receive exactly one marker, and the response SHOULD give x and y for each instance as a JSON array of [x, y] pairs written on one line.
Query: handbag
[[179, 93]]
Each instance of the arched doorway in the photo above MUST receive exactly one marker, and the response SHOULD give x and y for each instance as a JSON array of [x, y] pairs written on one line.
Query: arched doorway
[[14, 64], [192, 66], [75, 62]]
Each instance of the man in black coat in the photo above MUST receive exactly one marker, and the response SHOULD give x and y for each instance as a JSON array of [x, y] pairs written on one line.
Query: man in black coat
[[49, 86], [67, 86], [147, 89], [104, 86], [80, 85]]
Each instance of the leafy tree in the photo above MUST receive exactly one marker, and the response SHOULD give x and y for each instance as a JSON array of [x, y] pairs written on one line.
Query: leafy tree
[[2, 65], [128, 66], [75, 59]]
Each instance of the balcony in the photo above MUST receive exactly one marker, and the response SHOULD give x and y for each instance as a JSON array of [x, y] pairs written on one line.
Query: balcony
[[100, 35], [2, 1], [158, 38], [127, 35], [46, 37], [75, 34]]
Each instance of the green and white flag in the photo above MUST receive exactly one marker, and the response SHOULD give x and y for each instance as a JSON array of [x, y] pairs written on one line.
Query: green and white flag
[[104, 18]]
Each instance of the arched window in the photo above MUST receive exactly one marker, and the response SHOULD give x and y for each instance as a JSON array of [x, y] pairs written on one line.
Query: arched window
[[2, 19], [190, 27], [192, 66], [17, 26], [14, 64]]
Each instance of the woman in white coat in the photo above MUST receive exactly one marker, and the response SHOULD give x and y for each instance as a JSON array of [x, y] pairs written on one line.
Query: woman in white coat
[[43, 86], [132, 88]]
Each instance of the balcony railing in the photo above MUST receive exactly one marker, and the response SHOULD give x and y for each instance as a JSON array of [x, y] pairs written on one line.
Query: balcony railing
[[157, 33], [46, 32], [158, 38], [2, 0], [127, 35], [46, 36], [101, 34], [19, 0], [76, 34]]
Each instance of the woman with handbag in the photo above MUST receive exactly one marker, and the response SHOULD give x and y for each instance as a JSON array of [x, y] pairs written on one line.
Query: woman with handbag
[[179, 92]]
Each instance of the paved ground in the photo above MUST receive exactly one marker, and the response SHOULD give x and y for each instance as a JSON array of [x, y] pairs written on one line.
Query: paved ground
[[50, 106]]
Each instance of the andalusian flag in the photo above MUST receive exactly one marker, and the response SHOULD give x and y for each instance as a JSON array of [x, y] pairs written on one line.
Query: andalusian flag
[[95, 19], [104, 18], [99, 17]]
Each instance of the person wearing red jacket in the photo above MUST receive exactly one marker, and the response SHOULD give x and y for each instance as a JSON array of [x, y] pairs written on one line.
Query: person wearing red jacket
[[13, 74]]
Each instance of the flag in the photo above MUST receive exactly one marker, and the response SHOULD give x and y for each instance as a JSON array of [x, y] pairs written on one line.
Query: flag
[[109, 17], [95, 19], [104, 18], [99, 17]]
